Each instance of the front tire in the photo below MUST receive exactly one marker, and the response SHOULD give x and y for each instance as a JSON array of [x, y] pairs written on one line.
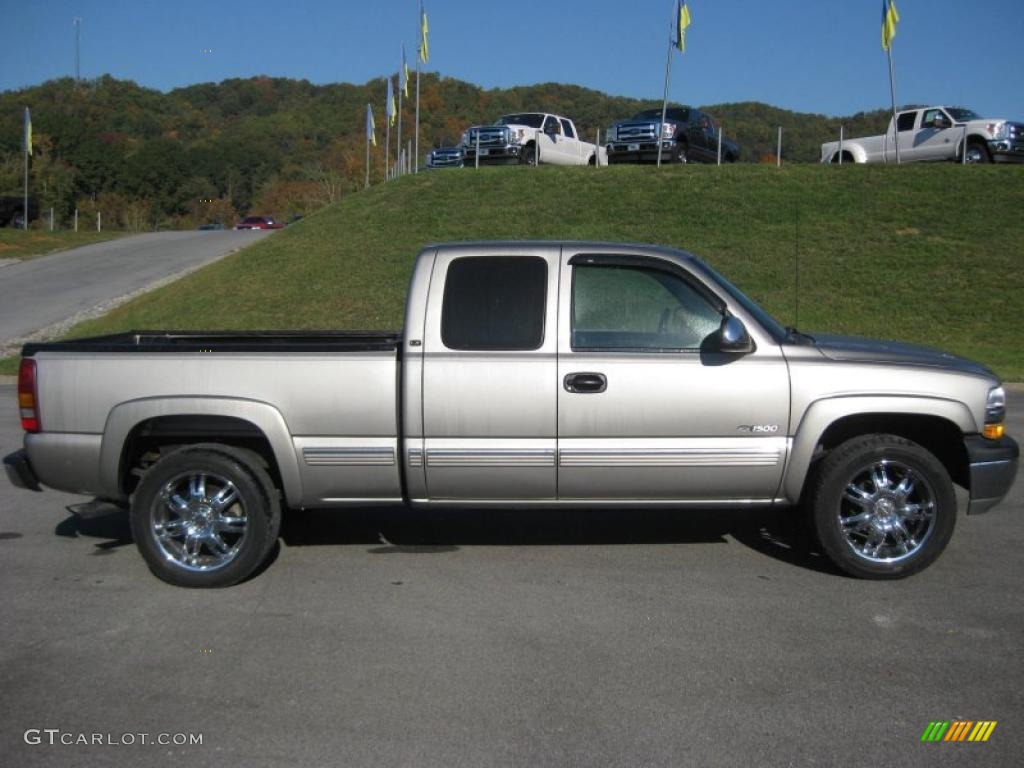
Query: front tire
[[205, 516], [977, 153], [883, 507], [529, 155], [681, 154]]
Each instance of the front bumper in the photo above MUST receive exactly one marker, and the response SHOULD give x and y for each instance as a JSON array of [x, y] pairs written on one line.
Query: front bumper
[[20, 472], [993, 467], [1006, 150], [493, 155], [644, 151]]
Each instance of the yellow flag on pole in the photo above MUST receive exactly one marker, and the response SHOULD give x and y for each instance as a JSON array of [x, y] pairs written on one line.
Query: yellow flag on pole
[[890, 18], [424, 29], [683, 14], [28, 131], [405, 73]]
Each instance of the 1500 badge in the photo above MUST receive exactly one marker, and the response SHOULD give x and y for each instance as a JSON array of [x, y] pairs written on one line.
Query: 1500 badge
[[758, 429]]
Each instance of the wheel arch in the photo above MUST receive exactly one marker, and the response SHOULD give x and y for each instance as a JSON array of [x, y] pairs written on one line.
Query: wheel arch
[[137, 426], [937, 425]]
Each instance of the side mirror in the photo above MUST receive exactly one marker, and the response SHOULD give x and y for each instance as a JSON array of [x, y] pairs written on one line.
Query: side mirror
[[550, 129], [733, 337], [941, 122]]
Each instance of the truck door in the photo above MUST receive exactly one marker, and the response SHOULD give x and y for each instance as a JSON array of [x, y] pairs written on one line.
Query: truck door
[[647, 410], [571, 145], [489, 368], [552, 144], [935, 141], [906, 124]]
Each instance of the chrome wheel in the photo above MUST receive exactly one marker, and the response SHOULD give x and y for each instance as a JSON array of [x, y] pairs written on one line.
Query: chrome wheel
[[887, 512], [198, 521], [976, 153]]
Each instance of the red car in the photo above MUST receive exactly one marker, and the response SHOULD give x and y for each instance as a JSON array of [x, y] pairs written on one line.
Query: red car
[[258, 222]]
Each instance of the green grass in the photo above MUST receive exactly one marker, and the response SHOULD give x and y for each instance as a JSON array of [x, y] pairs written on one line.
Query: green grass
[[929, 254], [19, 244]]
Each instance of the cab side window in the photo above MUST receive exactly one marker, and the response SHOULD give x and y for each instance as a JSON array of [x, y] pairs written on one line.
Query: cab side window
[[905, 122], [494, 303], [638, 308], [567, 129]]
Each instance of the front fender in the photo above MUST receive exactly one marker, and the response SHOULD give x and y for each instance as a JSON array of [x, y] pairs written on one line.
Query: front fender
[[821, 414], [126, 416]]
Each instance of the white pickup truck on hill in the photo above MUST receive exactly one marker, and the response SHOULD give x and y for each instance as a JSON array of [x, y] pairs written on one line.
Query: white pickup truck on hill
[[935, 134], [530, 138]]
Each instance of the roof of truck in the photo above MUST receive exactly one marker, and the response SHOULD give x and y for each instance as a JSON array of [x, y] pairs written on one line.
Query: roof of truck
[[594, 246]]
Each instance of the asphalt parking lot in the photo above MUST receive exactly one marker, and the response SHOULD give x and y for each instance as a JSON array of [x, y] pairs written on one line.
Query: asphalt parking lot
[[584, 638]]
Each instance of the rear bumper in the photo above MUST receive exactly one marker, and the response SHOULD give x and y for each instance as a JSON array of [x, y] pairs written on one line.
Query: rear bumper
[[993, 467], [20, 473]]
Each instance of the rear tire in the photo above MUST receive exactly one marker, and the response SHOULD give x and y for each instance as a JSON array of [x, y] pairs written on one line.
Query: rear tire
[[205, 516], [882, 507]]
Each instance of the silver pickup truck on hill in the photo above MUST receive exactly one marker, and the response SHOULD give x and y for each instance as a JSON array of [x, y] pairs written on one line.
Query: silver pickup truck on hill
[[547, 373]]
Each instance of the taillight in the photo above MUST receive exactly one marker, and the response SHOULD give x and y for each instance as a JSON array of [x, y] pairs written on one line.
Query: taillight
[[28, 396]]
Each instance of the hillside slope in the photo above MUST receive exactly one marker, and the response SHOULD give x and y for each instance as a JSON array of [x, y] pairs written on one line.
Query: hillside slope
[[924, 254], [277, 146]]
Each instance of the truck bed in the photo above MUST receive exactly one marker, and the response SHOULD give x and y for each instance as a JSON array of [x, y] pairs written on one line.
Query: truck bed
[[227, 341]]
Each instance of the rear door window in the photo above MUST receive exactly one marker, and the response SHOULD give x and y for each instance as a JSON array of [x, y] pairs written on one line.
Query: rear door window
[[905, 122], [494, 303]]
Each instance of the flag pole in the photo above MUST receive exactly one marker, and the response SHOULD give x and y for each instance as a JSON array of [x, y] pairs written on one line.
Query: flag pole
[[367, 184], [398, 142], [24, 210], [25, 142], [668, 76], [415, 160], [387, 131], [892, 93]]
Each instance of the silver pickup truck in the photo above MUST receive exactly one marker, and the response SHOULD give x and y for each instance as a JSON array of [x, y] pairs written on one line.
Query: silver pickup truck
[[546, 373]]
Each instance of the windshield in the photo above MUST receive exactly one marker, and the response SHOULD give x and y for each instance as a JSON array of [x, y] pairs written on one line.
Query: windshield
[[962, 115], [531, 119], [769, 323], [673, 113]]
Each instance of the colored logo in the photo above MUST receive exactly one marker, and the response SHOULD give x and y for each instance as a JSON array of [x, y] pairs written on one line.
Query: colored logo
[[959, 730]]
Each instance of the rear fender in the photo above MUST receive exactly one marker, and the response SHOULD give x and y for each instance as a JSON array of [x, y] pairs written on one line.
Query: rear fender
[[126, 416]]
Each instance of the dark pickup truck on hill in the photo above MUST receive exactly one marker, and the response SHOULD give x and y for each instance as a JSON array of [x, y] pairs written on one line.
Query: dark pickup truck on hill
[[687, 136]]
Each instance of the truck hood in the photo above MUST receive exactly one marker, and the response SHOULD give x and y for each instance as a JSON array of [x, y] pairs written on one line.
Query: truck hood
[[860, 349]]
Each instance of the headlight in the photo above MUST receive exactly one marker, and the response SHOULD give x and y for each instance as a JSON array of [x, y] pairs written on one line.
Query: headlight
[[611, 134], [465, 138], [995, 414], [668, 130], [996, 130]]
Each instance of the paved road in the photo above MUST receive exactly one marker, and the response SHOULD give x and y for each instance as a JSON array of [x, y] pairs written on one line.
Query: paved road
[[594, 638], [41, 292]]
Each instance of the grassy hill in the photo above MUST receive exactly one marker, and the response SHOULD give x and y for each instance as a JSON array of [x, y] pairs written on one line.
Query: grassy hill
[[925, 254], [278, 146]]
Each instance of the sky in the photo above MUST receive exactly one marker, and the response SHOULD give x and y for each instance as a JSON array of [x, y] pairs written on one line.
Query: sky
[[821, 56]]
